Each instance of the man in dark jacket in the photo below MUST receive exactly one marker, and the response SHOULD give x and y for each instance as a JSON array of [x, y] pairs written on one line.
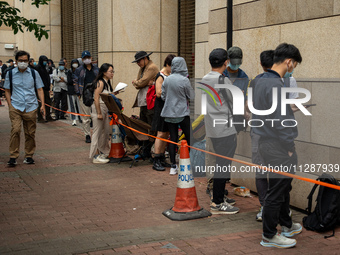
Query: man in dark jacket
[[45, 77], [277, 148]]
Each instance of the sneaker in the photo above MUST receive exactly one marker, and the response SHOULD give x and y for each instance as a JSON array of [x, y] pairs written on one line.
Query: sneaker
[[259, 214], [29, 161], [223, 208], [278, 241], [173, 169], [157, 165], [99, 160], [74, 123], [12, 162], [229, 200], [294, 230], [103, 156], [88, 139]]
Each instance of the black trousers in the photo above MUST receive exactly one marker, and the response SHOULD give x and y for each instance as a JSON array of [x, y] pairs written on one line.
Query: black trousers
[[48, 109], [173, 129], [225, 146], [60, 102], [276, 204], [146, 115]]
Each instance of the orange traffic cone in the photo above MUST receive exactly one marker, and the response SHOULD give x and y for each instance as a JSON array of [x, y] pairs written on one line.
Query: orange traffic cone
[[186, 204], [117, 152]]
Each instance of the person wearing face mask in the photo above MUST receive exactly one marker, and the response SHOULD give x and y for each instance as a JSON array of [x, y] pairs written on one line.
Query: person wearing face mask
[[73, 100], [60, 90], [42, 69], [233, 71], [85, 74], [277, 148], [20, 87]]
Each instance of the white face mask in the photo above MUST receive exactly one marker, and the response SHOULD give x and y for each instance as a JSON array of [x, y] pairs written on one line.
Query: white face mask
[[74, 65], [22, 65], [87, 61]]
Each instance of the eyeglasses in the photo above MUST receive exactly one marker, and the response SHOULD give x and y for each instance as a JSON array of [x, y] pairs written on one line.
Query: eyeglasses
[[22, 61], [111, 71]]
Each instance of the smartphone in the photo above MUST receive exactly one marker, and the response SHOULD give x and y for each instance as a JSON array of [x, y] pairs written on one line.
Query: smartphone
[[309, 105]]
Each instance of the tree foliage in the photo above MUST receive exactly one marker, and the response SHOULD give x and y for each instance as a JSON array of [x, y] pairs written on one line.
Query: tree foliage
[[10, 17]]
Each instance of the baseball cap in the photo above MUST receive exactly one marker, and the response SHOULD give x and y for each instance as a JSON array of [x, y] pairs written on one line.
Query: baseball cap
[[10, 60], [61, 62], [235, 55], [85, 53], [218, 56]]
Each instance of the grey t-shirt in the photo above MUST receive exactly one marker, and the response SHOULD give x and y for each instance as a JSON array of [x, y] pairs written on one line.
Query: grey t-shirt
[[218, 111]]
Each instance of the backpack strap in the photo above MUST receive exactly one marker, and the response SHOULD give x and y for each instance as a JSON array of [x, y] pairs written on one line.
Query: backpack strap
[[310, 197], [10, 76], [33, 75], [224, 94]]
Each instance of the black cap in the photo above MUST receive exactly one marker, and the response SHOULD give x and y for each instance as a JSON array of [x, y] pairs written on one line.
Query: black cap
[[217, 57], [61, 62], [140, 55], [235, 55]]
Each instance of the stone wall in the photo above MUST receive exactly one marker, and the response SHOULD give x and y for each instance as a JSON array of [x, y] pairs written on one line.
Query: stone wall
[[153, 28], [261, 25]]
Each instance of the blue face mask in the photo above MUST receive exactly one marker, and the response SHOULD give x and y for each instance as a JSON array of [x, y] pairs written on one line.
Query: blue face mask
[[234, 67], [61, 68], [289, 74], [44, 63]]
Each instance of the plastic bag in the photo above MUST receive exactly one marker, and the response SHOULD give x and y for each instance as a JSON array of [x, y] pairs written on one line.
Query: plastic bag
[[242, 192]]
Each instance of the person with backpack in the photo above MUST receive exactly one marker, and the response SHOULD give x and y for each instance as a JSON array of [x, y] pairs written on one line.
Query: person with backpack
[[277, 148], [158, 123], [42, 69], [85, 75], [59, 76], [20, 85], [101, 123], [73, 100]]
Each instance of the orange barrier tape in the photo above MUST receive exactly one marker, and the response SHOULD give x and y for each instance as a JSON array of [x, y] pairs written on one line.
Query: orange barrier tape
[[115, 119]]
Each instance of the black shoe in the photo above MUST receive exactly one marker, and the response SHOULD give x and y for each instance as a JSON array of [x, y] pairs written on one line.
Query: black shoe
[[29, 161], [157, 165], [162, 158], [12, 162], [88, 139]]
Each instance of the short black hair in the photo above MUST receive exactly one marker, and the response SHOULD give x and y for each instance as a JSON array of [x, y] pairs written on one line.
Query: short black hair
[[284, 51], [267, 58], [217, 57], [22, 53], [168, 60]]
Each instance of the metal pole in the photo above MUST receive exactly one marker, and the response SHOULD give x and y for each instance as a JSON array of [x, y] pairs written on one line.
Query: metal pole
[[230, 24]]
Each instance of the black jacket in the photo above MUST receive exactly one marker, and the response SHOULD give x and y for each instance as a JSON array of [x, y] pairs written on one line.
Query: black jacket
[[45, 77], [263, 100]]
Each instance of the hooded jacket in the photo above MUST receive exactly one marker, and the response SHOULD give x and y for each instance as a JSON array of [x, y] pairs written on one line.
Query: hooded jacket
[[70, 78], [176, 90], [45, 77]]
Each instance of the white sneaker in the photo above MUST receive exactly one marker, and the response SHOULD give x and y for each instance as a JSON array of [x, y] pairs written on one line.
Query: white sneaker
[[104, 156], [295, 229], [278, 241], [99, 160], [74, 123], [173, 169]]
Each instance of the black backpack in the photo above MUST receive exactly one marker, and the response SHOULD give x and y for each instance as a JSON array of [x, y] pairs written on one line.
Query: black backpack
[[88, 94], [326, 214]]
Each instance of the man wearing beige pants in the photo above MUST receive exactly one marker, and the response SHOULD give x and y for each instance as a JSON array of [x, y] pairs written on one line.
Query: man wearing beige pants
[[20, 85]]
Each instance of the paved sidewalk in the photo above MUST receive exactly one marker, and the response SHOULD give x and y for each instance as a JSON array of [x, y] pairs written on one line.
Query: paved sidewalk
[[64, 204]]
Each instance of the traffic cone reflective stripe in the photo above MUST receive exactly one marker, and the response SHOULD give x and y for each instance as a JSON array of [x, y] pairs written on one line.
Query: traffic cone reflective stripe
[[186, 204], [117, 148]]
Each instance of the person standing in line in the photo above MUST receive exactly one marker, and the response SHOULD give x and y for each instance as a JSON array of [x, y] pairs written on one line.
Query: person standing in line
[[60, 90], [42, 69], [73, 100], [223, 137], [176, 92], [277, 149], [146, 75], [23, 106], [158, 123], [85, 74], [101, 123]]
